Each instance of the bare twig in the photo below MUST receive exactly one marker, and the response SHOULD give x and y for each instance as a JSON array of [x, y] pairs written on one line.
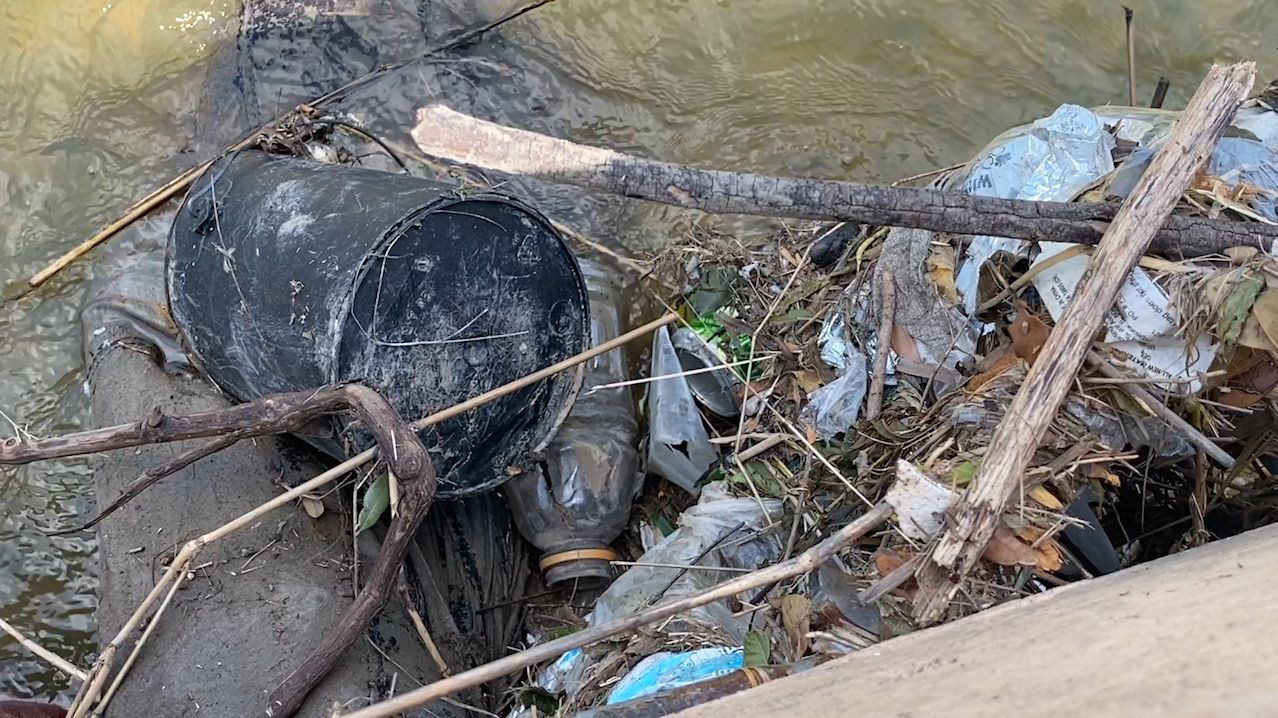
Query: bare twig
[[1128, 16], [796, 566], [43, 653], [137, 647], [181, 563], [883, 344], [1182, 427], [155, 474], [417, 492], [419, 625], [407, 457]]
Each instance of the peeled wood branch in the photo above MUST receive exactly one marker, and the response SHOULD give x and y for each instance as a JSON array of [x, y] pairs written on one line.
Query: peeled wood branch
[[446, 134], [1048, 381]]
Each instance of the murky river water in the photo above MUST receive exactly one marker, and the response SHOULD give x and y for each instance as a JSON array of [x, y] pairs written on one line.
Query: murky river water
[[98, 96]]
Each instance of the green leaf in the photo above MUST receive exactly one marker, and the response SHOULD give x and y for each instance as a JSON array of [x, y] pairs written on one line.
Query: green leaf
[[760, 473], [561, 631], [713, 292], [663, 525], [757, 649], [544, 701], [376, 500], [1233, 314], [963, 474]]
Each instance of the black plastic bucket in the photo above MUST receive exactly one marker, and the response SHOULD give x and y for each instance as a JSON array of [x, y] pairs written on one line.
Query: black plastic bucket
[[285, 275]]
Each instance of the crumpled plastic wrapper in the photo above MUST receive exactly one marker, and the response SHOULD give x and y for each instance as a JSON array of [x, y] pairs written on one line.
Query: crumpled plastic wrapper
[[834, 408]]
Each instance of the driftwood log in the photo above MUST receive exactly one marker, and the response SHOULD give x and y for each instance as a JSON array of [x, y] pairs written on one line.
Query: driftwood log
[[449, 135], [980, 509]]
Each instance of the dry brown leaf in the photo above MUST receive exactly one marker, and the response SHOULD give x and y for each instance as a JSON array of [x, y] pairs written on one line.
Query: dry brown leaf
[[312, 506], [1005, 363], [1005, 549], [1240, 255], [889, 560], [1028, 332], [1239, 399], [904, 344], [809, 380], [1100, 473], [940, 269], [1045, 497], [796, 618], [1260, 331], [1049, 557]]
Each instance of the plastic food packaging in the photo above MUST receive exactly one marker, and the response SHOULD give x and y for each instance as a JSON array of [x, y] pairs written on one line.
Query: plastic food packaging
[[709, 534], [678, 446]]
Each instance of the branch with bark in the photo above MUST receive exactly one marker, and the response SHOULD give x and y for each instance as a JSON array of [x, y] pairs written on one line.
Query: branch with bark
[[450, 135]]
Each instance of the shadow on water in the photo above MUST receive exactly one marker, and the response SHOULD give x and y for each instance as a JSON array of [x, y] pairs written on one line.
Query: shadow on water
[[108, 98]]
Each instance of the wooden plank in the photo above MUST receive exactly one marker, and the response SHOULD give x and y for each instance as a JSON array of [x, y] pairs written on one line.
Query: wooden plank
[[1185, 636], [1049, 380]]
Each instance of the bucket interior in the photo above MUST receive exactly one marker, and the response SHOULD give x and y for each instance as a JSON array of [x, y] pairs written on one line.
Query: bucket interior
[[460, 299]]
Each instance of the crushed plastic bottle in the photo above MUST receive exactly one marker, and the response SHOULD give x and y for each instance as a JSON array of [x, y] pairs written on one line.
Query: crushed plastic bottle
[[577, 500]]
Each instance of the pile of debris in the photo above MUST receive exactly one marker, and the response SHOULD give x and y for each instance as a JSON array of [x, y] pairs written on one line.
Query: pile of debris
[[828, 368]]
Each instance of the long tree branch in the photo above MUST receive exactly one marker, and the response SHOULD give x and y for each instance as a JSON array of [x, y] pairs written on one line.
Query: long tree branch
[[450, 135]]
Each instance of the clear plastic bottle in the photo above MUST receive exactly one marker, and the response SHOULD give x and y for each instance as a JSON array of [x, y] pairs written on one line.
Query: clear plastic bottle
[[578, 499]]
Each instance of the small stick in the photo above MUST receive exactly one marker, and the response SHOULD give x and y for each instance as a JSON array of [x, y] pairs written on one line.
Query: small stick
[[882, 347], [756, 449], [1160, 93], [193, 425], [139, 210], [463, 139], [1198, 504], [97, 676], [154, 474], [137, 648], [797, 566], [1184, 428], [889, 583], [419, 625], [418, 492], [1128, 14], [546, 373], [927, 175], [43, 653], [681, 566]]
